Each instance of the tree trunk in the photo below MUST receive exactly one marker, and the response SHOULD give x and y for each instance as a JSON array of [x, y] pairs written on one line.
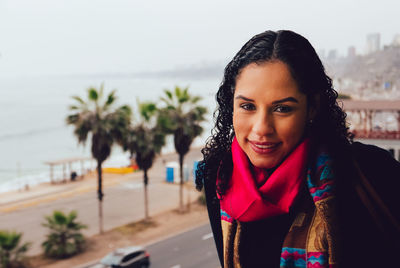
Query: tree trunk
[[100, 196], [188, 199], [146, 201], [181, 182]]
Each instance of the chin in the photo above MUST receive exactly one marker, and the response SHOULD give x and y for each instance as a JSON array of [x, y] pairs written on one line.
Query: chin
[[264, 163]]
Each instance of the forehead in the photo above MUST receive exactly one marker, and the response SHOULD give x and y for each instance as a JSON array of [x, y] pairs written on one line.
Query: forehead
[[266, 80]]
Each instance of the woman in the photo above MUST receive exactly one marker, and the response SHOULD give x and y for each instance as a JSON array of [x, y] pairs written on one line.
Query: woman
[[285, 185]]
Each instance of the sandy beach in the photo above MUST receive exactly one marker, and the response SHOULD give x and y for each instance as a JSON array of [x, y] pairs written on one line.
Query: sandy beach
[[15, 198]]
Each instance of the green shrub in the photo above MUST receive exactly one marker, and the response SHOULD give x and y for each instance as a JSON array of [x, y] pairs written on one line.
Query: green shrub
[[11, 254], [65, 238]]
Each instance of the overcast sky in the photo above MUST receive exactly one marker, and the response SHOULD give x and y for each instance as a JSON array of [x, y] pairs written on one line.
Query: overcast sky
[[96, 36]]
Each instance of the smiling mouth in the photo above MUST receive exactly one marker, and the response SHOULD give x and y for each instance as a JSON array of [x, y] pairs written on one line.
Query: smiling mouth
[[264, 147]]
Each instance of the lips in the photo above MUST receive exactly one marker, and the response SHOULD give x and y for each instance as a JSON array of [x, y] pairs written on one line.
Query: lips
[[264, 147]]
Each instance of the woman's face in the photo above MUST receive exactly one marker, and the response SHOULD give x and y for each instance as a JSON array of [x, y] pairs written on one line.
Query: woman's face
[[269, 113]]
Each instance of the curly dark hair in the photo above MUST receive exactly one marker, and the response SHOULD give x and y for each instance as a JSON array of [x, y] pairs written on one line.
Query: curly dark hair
[[329, 124]]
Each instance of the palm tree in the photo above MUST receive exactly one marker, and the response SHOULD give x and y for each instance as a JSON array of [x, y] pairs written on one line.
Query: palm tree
[[106, 124], [144, 140], [11, 254], [182, 117], [65, 238]]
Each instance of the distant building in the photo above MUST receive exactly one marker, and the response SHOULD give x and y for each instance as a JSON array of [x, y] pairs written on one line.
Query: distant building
[[332, 55], [373, 42], [351, 52], [396, 40]]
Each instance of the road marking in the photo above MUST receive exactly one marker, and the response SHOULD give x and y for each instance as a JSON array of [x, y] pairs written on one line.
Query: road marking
[[176, 266], [57, 196], [207, 236]]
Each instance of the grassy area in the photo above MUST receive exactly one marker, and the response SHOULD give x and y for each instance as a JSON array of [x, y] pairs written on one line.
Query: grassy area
[[135, 227]]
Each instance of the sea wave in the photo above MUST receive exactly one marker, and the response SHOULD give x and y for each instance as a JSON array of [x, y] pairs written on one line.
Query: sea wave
[[28, 180], [32, 177]]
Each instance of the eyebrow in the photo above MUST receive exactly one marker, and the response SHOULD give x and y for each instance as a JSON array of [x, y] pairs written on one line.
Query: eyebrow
[[288, 99], [243, 98]]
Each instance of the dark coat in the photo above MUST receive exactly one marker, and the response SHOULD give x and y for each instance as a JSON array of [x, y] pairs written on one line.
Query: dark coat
[[363, 243]]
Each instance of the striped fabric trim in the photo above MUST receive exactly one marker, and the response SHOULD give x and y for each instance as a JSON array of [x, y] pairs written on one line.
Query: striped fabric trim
[[317, 259], [323, 160], [317, 191], [321, 192], [326, 174], [296, 258], [293, 257], [226, 217]]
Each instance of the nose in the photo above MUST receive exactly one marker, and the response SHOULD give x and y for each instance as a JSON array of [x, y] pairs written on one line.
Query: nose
[[263, 124]]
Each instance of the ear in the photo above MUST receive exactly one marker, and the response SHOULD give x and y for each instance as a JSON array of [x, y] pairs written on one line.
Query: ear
[[313, 106]]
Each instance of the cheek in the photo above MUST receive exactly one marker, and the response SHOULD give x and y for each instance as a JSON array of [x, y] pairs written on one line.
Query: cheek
[[292, 130], [239, 123]]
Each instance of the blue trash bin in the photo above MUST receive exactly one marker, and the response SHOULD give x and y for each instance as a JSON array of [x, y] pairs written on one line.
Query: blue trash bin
[[170, 174], [195, 164]]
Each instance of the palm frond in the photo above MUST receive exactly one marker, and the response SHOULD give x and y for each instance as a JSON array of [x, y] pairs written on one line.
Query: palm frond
[[82, 130], [73, 107], [147, 110], [78, 99], [195, 99], [164, 100], [168, 93], [110, 98], [101, 120], [93, 95], [59, 217], [178, 92], [101, 90], [72, 119], [125, 110], [182, 118]]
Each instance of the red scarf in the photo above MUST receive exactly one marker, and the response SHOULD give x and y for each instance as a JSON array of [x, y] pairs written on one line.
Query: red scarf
[[254, 196]]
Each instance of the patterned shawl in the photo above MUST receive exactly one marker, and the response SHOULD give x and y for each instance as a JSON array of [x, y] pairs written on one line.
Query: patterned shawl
[[310, 241]]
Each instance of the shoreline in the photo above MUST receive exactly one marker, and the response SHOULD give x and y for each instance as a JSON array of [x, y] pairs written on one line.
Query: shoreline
[[43, 189], [28, 181]]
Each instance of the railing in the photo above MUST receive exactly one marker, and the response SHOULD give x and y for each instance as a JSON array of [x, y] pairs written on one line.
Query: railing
[[376, 134]]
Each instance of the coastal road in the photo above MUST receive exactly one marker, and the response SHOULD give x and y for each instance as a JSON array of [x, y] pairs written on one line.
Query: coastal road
[[123, 203], [192, 249]]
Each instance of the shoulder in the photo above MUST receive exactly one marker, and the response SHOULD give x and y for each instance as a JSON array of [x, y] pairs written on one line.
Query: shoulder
[[375, 161], [214, 214], [382, 171], [359, 147], [213, 206]]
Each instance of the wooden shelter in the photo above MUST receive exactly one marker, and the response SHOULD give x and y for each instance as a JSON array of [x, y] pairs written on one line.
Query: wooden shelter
[[66, 164]]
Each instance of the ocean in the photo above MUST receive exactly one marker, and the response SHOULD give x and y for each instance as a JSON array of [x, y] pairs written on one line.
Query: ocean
[[33, 128]]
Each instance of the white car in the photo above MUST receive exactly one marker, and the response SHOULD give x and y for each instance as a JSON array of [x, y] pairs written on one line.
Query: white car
[[132, 257]]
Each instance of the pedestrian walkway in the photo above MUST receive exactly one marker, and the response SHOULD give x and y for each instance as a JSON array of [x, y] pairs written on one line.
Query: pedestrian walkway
[[48, 192]]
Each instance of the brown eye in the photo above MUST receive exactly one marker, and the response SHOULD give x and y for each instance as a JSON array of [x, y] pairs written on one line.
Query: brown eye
[[283, 109], [248, 106]]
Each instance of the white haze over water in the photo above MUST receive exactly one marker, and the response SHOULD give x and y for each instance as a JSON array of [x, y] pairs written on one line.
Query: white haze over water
[[48, 47], [33, 120]]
